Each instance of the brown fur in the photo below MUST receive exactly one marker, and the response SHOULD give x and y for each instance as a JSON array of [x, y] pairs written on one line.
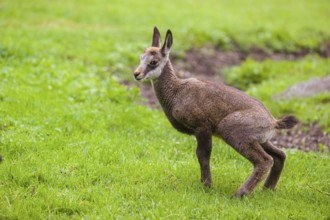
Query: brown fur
[[205, 109]]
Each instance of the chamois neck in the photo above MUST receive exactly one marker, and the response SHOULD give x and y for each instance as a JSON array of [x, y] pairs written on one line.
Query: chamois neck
[[166, 86], [167, 78]]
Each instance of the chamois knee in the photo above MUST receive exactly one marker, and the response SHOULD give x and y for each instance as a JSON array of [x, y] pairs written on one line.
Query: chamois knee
[[282, 156], [267, 162]]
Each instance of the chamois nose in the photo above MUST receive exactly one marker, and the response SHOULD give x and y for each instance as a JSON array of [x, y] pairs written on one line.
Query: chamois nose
[[136, 74]]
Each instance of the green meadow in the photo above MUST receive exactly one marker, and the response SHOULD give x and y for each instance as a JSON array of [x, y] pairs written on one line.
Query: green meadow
[[76, 144]]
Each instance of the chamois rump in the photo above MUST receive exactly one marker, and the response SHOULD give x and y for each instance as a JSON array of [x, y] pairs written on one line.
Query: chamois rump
[[205, 109]]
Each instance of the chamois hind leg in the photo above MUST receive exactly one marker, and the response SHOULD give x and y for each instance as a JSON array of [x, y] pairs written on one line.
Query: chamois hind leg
[[261, 161], [279, 159], [203, 152]]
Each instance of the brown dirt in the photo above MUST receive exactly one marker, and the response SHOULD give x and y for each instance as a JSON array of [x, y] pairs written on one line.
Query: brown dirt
[[207, 63], [306, 137]]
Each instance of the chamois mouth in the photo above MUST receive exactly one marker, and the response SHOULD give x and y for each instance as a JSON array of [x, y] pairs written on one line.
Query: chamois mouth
[[138, 79], [138, 76]]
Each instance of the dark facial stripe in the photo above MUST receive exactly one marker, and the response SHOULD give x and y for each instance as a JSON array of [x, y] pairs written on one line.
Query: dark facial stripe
[[150, 68]]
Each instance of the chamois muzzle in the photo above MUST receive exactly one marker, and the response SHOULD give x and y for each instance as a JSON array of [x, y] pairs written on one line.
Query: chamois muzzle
[[136, 75]]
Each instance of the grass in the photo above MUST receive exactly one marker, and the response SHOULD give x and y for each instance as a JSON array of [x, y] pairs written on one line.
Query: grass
[[76, 145]]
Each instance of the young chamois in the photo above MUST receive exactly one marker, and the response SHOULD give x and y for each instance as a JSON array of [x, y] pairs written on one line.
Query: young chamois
[[204, 109]]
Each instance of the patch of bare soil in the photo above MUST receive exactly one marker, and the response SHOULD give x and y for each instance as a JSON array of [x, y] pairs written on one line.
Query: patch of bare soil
[[306, 137], [207, 63]]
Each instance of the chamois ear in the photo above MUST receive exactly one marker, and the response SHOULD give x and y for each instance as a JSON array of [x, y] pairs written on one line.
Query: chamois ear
[[168, 42], [156, 38]]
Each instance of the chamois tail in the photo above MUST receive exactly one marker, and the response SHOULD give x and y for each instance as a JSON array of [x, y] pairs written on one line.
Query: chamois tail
[[286, 122]]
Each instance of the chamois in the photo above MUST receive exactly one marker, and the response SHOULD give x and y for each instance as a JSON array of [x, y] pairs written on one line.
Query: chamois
[[204, 109]]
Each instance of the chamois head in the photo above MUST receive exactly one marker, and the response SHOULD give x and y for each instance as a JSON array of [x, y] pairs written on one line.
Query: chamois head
[[154, 58]]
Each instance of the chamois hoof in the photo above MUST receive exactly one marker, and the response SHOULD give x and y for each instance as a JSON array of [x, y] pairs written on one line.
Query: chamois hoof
[[241, 193], [207, 184], [269, 187]]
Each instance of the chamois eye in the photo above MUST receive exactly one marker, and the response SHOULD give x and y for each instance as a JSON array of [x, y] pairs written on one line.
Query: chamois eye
[[153, 63]]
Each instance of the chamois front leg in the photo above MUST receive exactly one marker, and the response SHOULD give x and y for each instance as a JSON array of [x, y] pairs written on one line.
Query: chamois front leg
[[204, 148]]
